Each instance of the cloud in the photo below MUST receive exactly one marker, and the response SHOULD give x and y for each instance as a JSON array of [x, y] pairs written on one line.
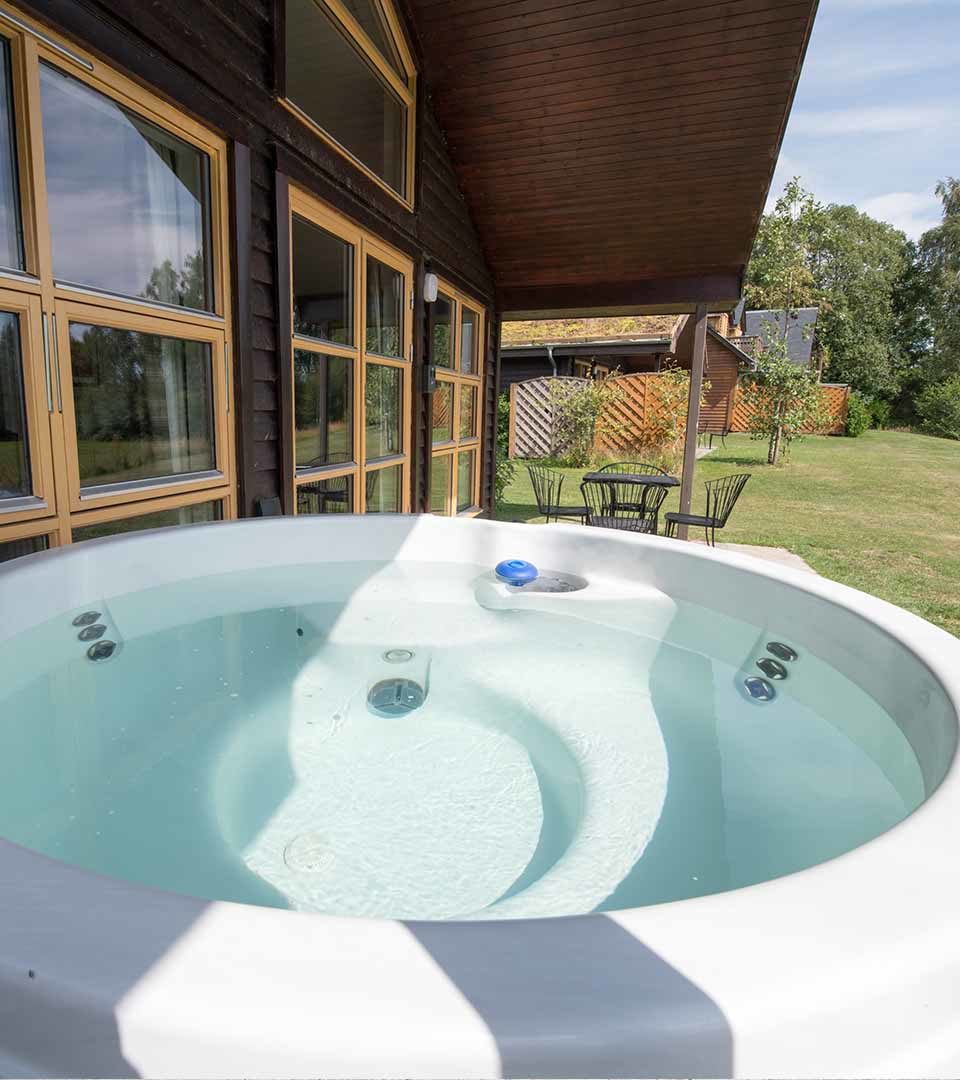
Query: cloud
[[882, 5], [870, 120], [913, 212]]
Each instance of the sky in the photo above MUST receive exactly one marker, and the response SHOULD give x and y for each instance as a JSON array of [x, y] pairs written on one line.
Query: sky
[[876, 121]]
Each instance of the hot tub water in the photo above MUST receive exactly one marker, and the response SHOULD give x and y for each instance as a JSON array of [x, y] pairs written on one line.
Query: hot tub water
[[562, 758]]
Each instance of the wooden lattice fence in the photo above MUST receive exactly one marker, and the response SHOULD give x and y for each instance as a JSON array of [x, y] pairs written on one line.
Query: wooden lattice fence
[[642, 404], [531, 417], [834, 398]]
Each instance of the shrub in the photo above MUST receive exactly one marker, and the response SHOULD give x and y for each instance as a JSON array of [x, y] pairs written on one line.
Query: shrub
[[580, 415], [506, 467], [880, 413], [939, 408], [858, 416]]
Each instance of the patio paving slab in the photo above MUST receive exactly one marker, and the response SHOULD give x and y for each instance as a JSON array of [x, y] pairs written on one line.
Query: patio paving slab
[[772, 554]]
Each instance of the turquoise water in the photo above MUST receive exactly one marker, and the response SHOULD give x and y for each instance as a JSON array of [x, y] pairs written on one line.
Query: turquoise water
[[560, 762]]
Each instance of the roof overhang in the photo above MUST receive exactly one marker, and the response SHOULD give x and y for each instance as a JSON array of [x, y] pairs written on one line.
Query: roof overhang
[[589, 348], [615, 154]]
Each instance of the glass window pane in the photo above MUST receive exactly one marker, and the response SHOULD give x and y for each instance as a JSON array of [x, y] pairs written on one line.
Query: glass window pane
[[384, 309], [159, 519], [333, 496], [322, 284], [13, 549], [383, 490], [370, 17], [330, 79], [11, 228], [468, 411], [469, 341], [384, 408], [323, 408], [465, 475], [14, 451], [441, 344], [129, 203], [144, 405], [440, 476], [443, 413]]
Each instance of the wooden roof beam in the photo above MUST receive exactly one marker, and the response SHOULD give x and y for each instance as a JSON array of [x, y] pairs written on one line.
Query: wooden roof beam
[[662, 296]]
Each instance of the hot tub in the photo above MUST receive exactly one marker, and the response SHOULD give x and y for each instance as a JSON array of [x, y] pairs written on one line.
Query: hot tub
[[329, 797]]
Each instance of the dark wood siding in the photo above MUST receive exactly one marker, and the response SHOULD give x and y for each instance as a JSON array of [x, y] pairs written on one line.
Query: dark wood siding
[[215, 59], [721, 369]]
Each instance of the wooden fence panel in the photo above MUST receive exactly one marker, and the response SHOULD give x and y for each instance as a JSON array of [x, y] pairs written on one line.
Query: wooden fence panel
[[833, 395], [531, 416]]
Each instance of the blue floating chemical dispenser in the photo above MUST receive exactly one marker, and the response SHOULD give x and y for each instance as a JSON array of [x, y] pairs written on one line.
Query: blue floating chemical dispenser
[[516, 572]]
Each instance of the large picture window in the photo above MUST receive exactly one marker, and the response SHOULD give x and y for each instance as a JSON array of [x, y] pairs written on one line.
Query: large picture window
[[349, 74], [114, 310], [351, 348], [456, 353]]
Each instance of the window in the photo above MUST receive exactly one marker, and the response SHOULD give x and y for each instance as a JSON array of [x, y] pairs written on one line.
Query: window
[[456, 352], [155, 519], [349, 75], [115, 328], [351, 389]]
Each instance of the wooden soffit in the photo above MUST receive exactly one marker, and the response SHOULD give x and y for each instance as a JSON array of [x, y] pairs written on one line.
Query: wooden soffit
[[615, 154]]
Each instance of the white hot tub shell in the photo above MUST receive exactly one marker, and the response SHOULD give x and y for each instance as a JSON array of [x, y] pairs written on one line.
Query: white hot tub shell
[[849, 968]]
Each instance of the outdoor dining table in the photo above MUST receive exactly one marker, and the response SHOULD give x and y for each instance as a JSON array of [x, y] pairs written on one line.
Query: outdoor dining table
[[640, 479]]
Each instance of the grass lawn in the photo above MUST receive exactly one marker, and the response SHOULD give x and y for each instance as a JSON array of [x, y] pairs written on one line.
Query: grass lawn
[[880, 513]]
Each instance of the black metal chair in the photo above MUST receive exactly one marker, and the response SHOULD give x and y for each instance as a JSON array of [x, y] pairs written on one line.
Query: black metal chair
[[639, 468], [722, 496], [633, 507], [547, 485]]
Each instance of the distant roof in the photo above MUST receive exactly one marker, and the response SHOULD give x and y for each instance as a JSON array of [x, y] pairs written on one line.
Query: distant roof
[[799, 337], [583, 331]]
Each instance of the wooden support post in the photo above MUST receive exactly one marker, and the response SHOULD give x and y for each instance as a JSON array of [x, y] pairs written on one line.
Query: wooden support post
[[693, 413]]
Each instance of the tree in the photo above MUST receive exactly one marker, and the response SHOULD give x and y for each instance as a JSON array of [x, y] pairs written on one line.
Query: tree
[[779, 276], [851, 267], [857, 264], [783, 398], [939, 257]]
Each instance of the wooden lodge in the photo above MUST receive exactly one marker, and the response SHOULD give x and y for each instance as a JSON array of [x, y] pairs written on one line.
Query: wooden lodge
[[255, 254]]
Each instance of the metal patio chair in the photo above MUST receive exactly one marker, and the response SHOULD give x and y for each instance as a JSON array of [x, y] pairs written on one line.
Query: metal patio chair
[[631, 507], [641, 468], [547, 485], [722, 496]]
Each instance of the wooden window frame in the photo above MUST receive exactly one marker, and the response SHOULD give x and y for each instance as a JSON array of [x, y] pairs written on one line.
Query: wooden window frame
[[405, 89], [453, 375], [364, 244], [46, 305]]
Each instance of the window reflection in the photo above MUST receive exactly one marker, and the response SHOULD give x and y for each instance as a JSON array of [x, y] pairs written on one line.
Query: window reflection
[[11, 228], [13, 549], [383, 490], [441, 332], [143, 403], [332, 82], [128, 202], [440, 476], [466, 463], [384, 399], [443, 413], [323, 408], [468, 411], [333, 496], [159, 519], [469, 340], [384, 309], [322, 284], [14, 454]]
